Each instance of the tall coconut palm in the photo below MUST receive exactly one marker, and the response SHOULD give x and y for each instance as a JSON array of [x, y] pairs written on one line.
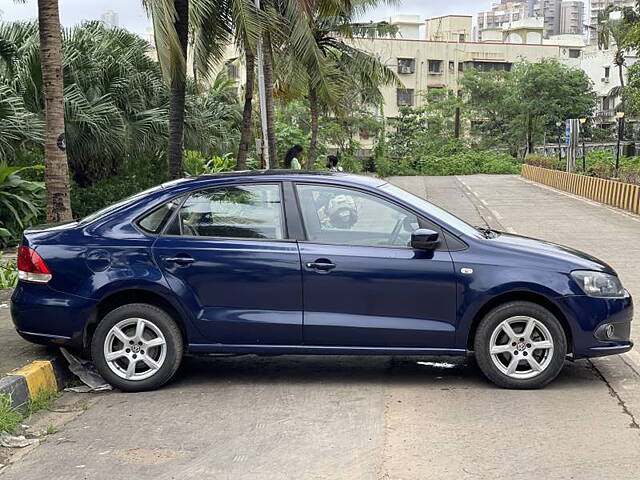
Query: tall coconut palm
[[212, 25], [613, 28], [56, 174], [330, 65], [171, 33]]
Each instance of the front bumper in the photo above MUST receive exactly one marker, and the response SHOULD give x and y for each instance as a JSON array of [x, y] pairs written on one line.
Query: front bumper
[[589, 318]]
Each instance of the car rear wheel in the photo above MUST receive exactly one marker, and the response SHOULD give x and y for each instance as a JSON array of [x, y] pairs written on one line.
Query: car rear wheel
[[137, 347], [520, 345]]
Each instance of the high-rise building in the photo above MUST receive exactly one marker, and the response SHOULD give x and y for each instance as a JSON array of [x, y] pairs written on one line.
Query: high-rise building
[[509, 11], [501, 14], [597, 6], [110, 18], [572, 17]]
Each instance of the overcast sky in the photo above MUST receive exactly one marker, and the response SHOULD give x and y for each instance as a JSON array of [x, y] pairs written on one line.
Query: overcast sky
[[133, 17]]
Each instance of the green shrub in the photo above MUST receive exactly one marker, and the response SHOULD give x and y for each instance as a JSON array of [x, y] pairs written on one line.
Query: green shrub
[[460, 162], [195, 164], [544, 162], [8, 275], [21, 203]]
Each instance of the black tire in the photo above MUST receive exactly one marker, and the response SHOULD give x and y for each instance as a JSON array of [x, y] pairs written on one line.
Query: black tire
[[493, 319], [162, 321]]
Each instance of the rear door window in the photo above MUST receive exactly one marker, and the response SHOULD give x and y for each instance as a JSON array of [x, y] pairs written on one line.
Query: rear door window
[[238, 211]]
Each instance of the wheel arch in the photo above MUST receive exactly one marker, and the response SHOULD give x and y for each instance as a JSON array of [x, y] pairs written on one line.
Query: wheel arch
[[127, 296], [521, 296]]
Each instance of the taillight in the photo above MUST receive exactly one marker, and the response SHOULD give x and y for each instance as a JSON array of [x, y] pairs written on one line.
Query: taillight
[[31, 267]]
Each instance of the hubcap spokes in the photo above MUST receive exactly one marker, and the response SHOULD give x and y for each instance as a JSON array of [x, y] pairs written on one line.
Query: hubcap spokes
[[135, 349], [521, 347]]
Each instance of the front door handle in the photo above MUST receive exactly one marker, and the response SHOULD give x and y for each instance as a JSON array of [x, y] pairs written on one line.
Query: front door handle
[[322, 265], [180, 259]]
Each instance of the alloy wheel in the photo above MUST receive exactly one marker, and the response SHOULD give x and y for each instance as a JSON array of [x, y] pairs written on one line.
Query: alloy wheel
[[135, 349], [521, 347]]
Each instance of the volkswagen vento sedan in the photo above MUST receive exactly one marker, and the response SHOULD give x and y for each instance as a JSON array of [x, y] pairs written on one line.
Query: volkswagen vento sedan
[[279, 262]]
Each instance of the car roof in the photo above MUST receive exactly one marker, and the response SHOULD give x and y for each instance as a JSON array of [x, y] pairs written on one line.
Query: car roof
[[281, 175]]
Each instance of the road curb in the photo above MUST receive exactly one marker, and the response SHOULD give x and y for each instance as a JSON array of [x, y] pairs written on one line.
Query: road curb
[[26, 383]]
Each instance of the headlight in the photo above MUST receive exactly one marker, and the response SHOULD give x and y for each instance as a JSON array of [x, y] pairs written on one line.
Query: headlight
[[598, 284]]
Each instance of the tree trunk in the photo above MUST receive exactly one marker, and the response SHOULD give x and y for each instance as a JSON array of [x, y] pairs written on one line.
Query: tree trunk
[[530, 146], [621, 74], [178, 93], [271, 110], [315, 114], [245, 133], [56, 173]]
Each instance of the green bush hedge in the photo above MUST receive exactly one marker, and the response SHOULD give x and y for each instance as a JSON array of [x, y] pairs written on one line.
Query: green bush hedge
[[600, 164], [465, 162]]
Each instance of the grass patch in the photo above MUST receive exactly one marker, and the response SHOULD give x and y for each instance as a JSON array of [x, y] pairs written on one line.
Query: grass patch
[[43, 401], [9, 418]]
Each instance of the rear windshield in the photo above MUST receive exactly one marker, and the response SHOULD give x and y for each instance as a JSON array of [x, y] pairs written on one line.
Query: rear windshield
[[117, 205]]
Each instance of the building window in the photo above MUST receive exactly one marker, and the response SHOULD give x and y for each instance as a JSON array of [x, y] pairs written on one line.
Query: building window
[[405, 97], [406, 65], [492, 66], [574, 53], [462, 37], [452, 67], [435, 66], [460, 67], [233, 72], [607, 72]]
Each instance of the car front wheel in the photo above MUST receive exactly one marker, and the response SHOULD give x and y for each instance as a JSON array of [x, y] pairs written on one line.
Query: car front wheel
[[520, 345], [137, 347]]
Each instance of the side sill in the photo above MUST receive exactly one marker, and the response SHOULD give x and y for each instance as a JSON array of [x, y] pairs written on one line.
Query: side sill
[[197, 348]]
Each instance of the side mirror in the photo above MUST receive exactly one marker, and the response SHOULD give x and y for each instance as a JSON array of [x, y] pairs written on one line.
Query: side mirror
[[424, 239]]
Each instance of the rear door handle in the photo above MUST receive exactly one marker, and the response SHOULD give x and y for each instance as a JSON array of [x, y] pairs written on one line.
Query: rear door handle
[[321, 265], [180, 259]]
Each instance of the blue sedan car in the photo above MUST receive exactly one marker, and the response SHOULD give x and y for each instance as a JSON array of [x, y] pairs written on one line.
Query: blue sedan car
[[278, 262]]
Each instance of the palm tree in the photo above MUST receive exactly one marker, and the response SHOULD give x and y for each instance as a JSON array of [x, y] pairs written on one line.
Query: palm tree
[[612, 31], [56, 176], [211, 25], [171, 33], [329, 65]]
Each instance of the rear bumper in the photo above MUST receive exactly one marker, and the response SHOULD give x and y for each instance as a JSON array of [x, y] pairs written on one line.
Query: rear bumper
[[48, 317], [589, 318]]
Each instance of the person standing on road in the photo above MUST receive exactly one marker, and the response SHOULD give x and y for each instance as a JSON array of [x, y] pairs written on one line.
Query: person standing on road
[[291, 161], [332, 164]]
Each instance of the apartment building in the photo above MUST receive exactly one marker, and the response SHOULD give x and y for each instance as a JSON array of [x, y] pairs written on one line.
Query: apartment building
[[572, 18], [560, 17], [502, 13], [596, 7], [449, 28], [440, 64]]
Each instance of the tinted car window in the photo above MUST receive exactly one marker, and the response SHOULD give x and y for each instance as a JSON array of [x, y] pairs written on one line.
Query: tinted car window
[[349, 217], [154, 221], [247, 211]]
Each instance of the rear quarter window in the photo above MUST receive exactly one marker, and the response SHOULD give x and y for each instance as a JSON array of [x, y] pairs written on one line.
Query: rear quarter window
[[155, 220]]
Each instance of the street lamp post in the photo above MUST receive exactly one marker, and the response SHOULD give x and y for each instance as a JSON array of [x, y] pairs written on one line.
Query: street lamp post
[[620, 117], [583, 122], [559, 124]]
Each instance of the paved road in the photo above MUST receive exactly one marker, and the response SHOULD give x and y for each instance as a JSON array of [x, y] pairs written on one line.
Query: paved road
[[379, 418]]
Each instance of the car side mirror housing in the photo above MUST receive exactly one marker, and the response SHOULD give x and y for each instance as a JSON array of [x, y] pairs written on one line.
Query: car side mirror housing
[[425, 239]]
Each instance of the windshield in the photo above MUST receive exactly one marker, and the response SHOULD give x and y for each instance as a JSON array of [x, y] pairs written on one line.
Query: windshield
[[117, 205], [431, 210]]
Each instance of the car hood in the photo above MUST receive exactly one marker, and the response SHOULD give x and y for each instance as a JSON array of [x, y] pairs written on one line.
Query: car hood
[[557, 254]]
